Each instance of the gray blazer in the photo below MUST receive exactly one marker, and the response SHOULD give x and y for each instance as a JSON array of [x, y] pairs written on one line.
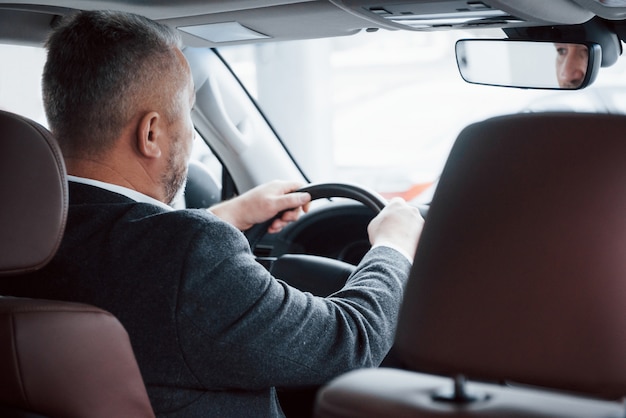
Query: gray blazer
[[213, 332]]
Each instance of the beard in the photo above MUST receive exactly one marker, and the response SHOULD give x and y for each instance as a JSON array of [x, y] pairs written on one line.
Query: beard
[[174, 179]]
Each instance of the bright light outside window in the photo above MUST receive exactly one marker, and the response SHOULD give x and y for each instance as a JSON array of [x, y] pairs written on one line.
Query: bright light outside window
[[389, 105], [20, 81], [379, 109]]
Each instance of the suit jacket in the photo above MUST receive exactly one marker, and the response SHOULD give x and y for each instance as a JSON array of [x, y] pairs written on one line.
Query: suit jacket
[[213, 332]]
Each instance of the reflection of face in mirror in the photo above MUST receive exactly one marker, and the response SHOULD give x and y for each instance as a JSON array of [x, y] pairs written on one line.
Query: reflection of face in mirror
[[571, 64]]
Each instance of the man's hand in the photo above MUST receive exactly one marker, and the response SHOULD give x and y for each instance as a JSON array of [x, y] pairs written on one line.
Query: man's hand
[[398, 225], [262, 203]]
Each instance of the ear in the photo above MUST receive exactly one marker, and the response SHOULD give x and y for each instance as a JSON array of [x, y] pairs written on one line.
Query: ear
[[148, 135]]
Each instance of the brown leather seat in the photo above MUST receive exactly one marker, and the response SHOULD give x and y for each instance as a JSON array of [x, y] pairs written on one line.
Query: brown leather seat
[[519, 282], [57, 359]]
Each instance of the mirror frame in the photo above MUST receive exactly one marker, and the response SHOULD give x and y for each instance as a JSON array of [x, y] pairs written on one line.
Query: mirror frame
[[593, 65]]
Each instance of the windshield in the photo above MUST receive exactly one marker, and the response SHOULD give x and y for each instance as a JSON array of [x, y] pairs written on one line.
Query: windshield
[[378, 109], [383, 109]]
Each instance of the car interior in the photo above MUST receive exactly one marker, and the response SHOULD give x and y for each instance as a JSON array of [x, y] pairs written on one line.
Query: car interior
[[514, 303], [528, 307], [87, 366]]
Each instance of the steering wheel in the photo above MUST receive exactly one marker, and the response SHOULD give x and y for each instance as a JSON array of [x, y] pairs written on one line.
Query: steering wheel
[[326, 190], [361, 194]]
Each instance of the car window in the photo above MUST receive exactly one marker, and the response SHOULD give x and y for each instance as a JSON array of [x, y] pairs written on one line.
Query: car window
[[383, 109], [20, 81]]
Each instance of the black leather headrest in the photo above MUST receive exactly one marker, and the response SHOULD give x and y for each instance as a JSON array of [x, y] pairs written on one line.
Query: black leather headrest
[[33, 187], [520, 273]]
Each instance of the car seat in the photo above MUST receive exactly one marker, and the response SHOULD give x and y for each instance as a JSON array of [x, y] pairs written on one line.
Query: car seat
[[515, 302], [57, 359]]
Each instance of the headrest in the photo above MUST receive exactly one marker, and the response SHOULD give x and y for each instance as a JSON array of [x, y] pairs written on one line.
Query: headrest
[[202, 190], [520, 273], [34, 190]]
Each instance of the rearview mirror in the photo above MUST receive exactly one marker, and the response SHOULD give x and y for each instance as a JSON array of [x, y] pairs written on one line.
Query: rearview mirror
[[528, 64]]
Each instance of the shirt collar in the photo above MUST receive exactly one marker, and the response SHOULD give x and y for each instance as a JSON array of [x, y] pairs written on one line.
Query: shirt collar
[[130, 193]]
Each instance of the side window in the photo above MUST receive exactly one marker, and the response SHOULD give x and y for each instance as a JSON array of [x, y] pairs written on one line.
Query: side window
[[202, 154], [20, 81]]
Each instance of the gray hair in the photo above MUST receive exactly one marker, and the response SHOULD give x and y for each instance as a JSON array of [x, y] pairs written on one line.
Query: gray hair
[[100, 66]]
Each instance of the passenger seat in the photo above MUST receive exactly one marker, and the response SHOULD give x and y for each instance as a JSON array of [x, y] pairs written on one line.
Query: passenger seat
[[57, 359], [515, 302]]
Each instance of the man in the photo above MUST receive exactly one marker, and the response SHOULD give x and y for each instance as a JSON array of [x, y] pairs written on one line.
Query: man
[[213, 332], [571, 64]]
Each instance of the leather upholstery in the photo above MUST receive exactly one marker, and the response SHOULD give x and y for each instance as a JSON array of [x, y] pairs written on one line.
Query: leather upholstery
[[57, 359], [63, 359], [520, 273], [34, 207]]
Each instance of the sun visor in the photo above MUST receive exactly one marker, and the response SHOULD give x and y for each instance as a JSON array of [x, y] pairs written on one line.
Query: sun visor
[[223, 32]]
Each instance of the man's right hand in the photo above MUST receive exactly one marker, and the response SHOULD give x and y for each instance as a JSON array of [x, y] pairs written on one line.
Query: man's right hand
[[398, 225]]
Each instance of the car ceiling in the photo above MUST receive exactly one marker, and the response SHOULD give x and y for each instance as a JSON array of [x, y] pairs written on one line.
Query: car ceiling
[[28, 21]]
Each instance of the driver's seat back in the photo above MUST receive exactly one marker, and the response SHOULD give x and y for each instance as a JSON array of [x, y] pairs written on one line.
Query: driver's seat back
[[57, 359]]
